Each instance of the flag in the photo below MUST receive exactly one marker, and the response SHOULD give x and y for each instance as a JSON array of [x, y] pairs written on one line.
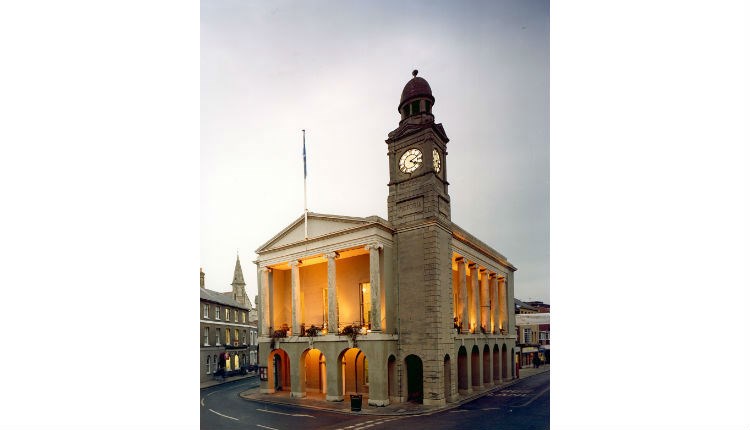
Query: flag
[[304, 155]]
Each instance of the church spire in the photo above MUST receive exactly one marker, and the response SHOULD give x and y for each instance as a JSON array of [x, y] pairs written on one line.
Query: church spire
[[238, 278]]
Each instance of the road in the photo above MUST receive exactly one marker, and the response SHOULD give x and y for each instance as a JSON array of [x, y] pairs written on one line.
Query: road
[[523, 406]]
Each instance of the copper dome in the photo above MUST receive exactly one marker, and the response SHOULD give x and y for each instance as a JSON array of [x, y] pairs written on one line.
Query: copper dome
[[416, 87]]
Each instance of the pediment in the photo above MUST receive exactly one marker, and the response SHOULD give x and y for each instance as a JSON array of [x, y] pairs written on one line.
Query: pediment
[[318, 225]]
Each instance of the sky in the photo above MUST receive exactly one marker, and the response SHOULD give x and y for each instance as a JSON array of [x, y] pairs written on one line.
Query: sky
[[337, 69]]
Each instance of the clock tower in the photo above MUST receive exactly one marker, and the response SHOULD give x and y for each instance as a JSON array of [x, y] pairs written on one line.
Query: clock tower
[[419, 210]]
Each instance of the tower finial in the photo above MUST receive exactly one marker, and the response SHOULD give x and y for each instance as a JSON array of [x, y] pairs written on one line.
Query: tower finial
[[414, 72]]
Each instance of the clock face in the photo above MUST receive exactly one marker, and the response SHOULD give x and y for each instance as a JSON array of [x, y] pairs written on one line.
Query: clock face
[[436, 160], [410, 161]]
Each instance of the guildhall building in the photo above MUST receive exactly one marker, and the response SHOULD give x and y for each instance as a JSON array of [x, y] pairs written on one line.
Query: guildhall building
[[412, 308]]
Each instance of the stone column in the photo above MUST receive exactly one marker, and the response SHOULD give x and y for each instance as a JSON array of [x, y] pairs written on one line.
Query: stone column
[[510, 305], [375, 284], [503, 311], [334, 381], [475, 296], [296, 374], [463, 296], [485, 300], [494, 307], [295, 298], [265, 311], [332, 298]]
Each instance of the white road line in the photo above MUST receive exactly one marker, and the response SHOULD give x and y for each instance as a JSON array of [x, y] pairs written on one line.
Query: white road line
[[284, 413], [460, 410], [532, 399], [489, 409], [202, 404], [270, 428], [225, 416]]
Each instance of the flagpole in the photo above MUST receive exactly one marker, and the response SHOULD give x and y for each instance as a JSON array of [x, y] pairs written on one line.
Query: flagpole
[[304, 161]]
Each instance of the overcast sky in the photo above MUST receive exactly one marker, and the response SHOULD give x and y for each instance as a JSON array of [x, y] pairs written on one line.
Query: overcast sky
[[336, 69]]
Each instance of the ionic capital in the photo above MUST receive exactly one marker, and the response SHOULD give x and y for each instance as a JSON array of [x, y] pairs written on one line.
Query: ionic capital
[[331, 255], [375, 246], [295, 263]]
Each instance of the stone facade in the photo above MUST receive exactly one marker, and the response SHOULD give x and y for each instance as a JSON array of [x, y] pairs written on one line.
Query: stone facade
[[412, 308], [226, 327]]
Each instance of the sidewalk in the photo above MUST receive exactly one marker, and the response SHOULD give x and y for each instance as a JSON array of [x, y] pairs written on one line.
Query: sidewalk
[[211, 383], [317, 401]]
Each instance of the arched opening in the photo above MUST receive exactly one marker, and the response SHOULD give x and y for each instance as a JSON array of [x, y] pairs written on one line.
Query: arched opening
[[447, 376], [392, 386], [486, 365], [414, 378], [495, 363], [279, 374], [505, 362], [475, 381], [208, 365], [354, 376], [236, 361], [313, 371], [227, 361], [215, 366], [463, 369]]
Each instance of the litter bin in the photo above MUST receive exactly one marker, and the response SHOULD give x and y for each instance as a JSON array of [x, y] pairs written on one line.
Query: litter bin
[[356, 400]]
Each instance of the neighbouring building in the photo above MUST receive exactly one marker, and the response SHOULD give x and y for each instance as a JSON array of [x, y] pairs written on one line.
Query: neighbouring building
[[412, 308], [532, 332], [229, 335]]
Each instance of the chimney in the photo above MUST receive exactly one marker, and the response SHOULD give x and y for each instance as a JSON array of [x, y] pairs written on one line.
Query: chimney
[[203, 275]]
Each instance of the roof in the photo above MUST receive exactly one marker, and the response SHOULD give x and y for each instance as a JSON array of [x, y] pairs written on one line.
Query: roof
[[238, 278], [523, 305], [221, 298], [416, 87]]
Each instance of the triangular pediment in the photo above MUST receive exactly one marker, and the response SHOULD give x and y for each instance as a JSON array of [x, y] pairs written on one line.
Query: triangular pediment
[[317, 225]]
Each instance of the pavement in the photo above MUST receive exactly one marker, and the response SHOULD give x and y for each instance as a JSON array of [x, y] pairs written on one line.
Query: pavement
[[318, 402], [214, 382]]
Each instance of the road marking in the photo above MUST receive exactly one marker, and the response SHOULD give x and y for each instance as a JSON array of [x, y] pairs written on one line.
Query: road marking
[[490, 409], [270, 428], [202, 404], [225, 416], [460, 410], [284, 413], [531, 399]]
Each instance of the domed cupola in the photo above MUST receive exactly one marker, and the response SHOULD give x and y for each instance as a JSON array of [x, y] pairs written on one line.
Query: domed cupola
[[416, 99]]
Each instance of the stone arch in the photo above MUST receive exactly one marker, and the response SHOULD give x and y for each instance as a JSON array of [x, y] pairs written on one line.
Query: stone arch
[[475, 372], [463, 369], [392, 383], [414, 378], [236, 361], [486, 365], [279, 370], [505, 362], [312, 366], [495, 363], [354, 371], [447, 376]]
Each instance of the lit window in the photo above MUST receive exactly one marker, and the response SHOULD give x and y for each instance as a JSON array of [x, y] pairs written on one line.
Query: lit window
[[218, 336], [236, 335], [205, 311], [217, 314], [205, 336], [227, 339], [226, 314], [243, 318], [235, 315]]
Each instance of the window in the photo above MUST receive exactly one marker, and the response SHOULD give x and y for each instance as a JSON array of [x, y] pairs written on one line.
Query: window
[[415, 107], [217, 313], [227, 339], [226, 314], [205, 336], [208, 364], [527, 335], [243, 317], [235, 315], [218, 336], [215, 369], [205, 311], [244, 337], [236, 335]]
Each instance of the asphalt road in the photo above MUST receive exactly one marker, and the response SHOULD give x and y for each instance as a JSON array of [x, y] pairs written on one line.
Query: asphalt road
[[523, 406]]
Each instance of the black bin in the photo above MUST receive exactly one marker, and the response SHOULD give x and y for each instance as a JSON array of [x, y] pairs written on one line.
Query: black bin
[[356, 402]]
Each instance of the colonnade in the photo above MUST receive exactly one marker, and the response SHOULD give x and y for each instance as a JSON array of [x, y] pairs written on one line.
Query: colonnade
[[487, 306]]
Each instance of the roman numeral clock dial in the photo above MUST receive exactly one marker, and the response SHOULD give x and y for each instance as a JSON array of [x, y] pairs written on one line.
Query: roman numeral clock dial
[[410, 161]]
